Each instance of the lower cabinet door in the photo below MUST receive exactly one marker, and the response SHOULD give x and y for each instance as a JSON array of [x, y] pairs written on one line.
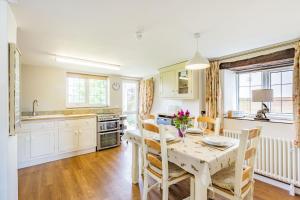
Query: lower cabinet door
[[87, 137], [42, 143], [68, 139], [23, 147]]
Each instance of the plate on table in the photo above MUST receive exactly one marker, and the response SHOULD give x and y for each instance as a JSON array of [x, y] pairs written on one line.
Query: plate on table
[[168, 136], [219, 141], [194, 130]]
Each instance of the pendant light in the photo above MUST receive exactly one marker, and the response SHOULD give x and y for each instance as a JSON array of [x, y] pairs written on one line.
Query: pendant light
[[198, 61]]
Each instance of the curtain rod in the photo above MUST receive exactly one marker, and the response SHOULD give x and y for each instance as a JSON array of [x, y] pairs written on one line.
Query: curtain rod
[[256, 50]]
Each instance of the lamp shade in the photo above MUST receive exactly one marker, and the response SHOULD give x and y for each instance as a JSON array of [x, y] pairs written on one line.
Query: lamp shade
[[197, 62], [262, 95]]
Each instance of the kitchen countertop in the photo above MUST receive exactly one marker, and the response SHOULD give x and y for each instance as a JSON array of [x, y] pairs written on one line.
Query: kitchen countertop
[[58, 116]]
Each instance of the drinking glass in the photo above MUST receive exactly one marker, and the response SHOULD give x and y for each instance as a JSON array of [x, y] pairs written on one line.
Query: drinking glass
[[183, 129]]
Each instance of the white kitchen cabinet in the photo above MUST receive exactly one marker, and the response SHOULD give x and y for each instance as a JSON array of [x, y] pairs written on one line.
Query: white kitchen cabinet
[[42, 143], [86, 137], [68, 139], [47, 140], [167, 83], [178, 83]]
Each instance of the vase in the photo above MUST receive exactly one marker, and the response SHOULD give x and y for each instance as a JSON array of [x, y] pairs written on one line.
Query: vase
[[182, 131]]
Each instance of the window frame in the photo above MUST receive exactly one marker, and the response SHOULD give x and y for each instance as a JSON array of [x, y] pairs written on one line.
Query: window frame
[[86, 78], [266, 83]]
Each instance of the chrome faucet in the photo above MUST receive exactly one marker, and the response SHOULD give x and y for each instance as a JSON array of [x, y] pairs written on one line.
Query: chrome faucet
[[34, 104]]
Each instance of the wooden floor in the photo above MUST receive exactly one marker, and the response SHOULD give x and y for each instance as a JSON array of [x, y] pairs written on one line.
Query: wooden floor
[[104, 175]]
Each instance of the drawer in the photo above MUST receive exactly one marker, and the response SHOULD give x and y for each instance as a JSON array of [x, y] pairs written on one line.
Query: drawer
[[68, 123], [37, 125], [88, 122], [81, 122]]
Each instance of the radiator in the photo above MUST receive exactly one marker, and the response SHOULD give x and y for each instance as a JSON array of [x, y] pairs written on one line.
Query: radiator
[[277, 158]]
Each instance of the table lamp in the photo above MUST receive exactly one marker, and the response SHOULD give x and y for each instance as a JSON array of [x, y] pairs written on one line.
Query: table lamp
[[262, 95]]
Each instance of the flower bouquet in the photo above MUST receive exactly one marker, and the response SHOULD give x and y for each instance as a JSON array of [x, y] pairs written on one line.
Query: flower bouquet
[[182, 122]]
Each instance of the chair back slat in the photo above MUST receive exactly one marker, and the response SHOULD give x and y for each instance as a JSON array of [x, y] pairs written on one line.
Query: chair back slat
[[206, 120], [154, 160], [152, 144], [150, 127], [150, 116], [247, 173], [250, 152], [253, 133]]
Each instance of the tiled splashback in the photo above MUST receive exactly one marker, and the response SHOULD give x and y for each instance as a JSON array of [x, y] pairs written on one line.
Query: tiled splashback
[[77, 111]]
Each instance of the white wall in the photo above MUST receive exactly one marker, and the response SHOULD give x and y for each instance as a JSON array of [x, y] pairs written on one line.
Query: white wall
[[163, 105], [48, 85], [277, 130], [8, 145]]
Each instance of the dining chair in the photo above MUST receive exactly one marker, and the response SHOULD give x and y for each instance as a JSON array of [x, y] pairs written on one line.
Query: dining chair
[[156, 163], [213, 125], [237, 182]]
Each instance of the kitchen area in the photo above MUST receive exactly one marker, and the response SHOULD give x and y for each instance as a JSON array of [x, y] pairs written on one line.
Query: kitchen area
[[50, 127]]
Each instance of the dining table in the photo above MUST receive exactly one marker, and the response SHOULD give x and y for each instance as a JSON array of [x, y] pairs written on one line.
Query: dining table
[[191, 154]]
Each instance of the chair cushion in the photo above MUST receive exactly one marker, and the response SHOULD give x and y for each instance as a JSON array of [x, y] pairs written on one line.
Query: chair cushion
[[225, 179], [174, 170]]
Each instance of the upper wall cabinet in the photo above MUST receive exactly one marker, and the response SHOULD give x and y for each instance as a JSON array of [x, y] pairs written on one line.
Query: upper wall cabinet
[[178, 83]]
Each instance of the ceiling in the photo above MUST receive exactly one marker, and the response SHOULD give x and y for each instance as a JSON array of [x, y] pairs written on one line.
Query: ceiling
[[104, 30]]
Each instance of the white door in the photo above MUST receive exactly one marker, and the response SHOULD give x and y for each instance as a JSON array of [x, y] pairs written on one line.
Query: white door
[[130, 102], [68, 139], [42, 143]]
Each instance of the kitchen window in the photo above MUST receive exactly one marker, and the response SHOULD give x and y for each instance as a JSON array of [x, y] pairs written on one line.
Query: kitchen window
[[280, 80], [86, 90], [130, 102]]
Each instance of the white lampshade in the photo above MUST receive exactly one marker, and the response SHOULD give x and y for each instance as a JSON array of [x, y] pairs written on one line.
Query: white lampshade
[[262, 95], [197, 62]]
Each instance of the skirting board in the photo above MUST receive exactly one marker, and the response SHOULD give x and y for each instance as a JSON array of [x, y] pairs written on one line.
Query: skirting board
[[56, 157], [285, 186]]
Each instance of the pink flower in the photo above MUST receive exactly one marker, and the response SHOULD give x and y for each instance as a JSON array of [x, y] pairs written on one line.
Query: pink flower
[[187, 113], [181, 112]]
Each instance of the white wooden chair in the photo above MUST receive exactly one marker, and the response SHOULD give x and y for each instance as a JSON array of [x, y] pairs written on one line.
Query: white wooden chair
[[211, 123], [156, 164], [237, 182]]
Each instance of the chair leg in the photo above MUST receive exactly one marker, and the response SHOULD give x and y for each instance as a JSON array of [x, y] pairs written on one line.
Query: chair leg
[[251, 193], [165, 191], [192, 188], [145, 187]]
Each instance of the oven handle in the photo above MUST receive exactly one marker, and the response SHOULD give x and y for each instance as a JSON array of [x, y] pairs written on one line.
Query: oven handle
[[108, 120], [104, 133]]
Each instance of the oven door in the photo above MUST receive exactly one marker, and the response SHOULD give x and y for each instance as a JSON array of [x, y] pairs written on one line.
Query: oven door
[[108, 125], [108, 139]]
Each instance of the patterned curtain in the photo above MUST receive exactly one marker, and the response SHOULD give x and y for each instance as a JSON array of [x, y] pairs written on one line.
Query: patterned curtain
[[213, 94], [146, 97], [296, 93]]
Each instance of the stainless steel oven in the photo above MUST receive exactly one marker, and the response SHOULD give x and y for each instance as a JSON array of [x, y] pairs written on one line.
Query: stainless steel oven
[[109, 125], [108, 131]]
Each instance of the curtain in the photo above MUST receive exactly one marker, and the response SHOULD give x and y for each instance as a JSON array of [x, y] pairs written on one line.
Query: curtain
[[146, 97], [296, 94], [213, 96]]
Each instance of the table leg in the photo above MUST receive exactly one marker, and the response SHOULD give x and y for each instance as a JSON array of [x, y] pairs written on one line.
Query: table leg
[[135, 163], [200, 189]]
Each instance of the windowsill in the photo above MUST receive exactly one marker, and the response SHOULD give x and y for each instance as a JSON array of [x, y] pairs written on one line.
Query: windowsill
[[271, 120]]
